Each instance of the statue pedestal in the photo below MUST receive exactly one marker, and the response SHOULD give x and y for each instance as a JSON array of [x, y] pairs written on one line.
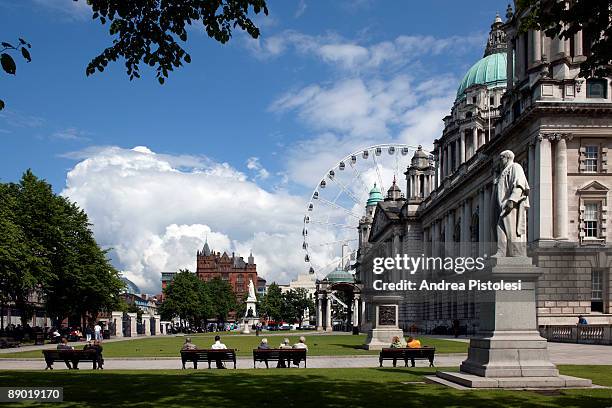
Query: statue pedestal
[[385, 325], [508, 351], [251, 315]]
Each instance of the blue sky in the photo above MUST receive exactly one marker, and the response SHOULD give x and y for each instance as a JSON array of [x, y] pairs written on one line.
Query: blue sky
[[325, 78]]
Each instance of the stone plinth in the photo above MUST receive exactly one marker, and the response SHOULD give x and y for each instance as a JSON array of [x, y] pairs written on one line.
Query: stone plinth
[[117, 320], [146, 322], [508, 351], [157, 329], [133, 317], [475, 381], [386, 322]]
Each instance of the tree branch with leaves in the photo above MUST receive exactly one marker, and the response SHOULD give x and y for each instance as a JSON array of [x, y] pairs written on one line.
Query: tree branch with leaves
[[8, 62], [566, 18], [149, 31]]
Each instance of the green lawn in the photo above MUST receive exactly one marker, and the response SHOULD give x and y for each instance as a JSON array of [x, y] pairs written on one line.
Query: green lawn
[[169, 346], [358, 387]]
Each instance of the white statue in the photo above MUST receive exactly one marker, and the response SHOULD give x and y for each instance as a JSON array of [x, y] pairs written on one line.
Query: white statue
[[512, 201], [251, 290]]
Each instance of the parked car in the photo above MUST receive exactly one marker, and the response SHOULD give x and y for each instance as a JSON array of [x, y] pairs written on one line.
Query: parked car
[[284, 327], [307, 327]]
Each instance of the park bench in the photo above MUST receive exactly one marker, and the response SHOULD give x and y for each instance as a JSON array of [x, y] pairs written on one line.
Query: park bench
[[8, 342], [422, 353], [287, 355], [72, 356], [208, 355]]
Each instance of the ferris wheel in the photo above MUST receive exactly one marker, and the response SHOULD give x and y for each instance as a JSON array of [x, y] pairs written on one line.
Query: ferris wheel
[[337, 203]]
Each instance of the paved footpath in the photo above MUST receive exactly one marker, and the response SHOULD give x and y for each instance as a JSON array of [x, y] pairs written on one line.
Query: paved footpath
[[561, 353]]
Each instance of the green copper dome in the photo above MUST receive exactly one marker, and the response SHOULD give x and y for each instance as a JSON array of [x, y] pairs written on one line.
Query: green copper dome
[[375, 196], [489, 71], [339, 275]]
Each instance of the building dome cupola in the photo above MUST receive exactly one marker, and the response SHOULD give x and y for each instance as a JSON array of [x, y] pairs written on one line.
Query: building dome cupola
[[497, 38], [394, 193], [489, 71], [375, 196], [421, 159]]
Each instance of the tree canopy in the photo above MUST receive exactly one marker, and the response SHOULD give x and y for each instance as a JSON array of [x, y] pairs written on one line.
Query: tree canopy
[[564, 19], [49, 254], [288, 306], [186, 297]]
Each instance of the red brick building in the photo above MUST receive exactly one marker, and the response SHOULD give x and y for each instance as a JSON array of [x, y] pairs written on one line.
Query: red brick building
[[233, 269]]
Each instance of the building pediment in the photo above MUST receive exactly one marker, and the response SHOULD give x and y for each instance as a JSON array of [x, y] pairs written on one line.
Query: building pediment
[[593, 187]]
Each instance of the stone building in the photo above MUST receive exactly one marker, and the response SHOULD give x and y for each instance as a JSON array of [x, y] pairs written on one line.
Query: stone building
[[232, 269], [524, 95]]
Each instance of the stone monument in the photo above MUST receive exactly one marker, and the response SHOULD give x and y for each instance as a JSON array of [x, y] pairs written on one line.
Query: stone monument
[[508, 351], [250, 316], [386, 322]]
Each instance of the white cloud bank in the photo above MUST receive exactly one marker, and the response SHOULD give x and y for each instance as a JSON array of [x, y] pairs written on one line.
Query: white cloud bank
[[156, 210]]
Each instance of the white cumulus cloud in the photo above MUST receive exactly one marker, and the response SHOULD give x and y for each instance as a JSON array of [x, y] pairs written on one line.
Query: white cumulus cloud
[[155, 212]]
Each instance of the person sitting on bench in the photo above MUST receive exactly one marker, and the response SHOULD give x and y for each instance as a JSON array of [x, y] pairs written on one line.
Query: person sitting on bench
[[63, 345], [218, 346], [284, 345], [300, 345], [413, 343]]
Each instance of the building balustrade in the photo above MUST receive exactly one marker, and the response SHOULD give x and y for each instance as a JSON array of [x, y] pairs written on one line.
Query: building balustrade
[[580, 333]]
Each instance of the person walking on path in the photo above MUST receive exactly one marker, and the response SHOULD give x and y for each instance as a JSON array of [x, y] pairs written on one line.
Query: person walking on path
[[98, 332]]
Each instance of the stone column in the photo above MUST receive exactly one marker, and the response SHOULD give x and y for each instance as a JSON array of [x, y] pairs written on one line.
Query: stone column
[[437, 173], [434, 238], [117, 319], [519, 56], [465, 228], [328, 315], [482, 245], [356, 311], [319, 312], [558, 48], [475, 139], [449, 159], [536, 46], [133, 317], [463, 156], [363, 318], [409, 185], [486, 220], [449, 244], [440, 168], [510, 64], [457, 153], [560, 190], [531, 212], [578, 44], [157, 319], [417, 186], [543, 188], [146, 322]]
